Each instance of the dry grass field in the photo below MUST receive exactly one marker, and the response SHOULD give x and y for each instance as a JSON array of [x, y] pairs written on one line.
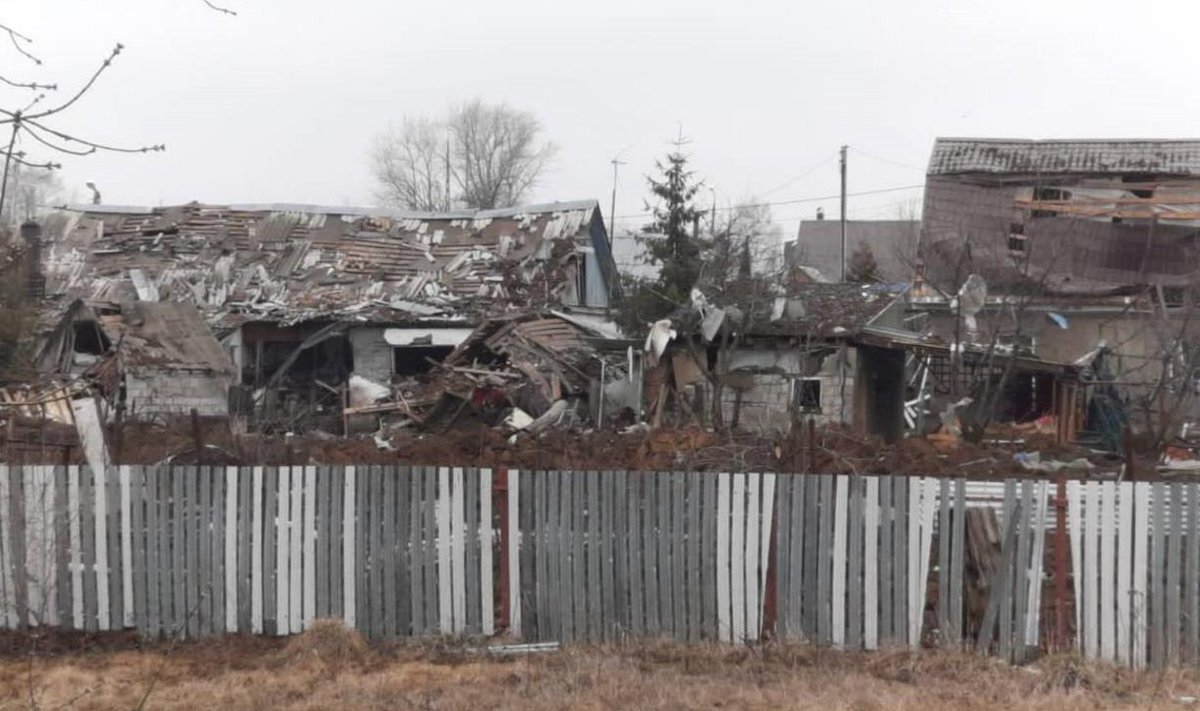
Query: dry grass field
[[328, 668]]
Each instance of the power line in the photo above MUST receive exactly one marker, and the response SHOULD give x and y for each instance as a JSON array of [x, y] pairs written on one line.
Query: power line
[[796, 201], [896, 163], [828, 159]]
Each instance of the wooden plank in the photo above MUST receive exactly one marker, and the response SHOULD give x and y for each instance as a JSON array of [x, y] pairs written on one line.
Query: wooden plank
[[560, 594], [795, 565], [899, 560], [347, 552], [376, 595], [678, 539], [751, 562], [825, 562], [886, 529], [386, 554], [1000, 596], [812, 556], [457, 552], [431, 555], [531, 545], [246, 564], [578, 556], [871, 564], [307, 500], [1108, 571], [708, 556], [695, 549], [445, 569], [958, 545], [517, 578], [100, 522], [194, 531], [1021, 569], [229, 600], [1125, 534], [283, 548], [1034, 583], [163, 580], [1174, 620], [270, 544], [324, 512], [724, 540], [839, 553], [854, 556], [608, 556], [637, 554], [1141, 512], [471, 531], [202, 518], [137, 525], [914, 611], [125, 478], [403, 583], [662, 537], [1075, 516], [929, 508], [944, 534], [650, 557], [487, 608], [1158, 530], [218, 512], [539, 515], [737, 562], [783, 552], [7, 602], [594, 609], [112, 494], [1192, 580], [415, 551]]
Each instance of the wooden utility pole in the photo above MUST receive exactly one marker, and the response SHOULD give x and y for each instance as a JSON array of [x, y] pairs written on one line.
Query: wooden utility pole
[[842, 163]]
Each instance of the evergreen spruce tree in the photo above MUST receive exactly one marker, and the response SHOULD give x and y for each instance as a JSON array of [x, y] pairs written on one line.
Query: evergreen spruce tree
[[863, 269]]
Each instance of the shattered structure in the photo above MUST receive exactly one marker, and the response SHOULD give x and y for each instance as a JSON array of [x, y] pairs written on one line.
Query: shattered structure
[[303, 299], [1086, 248]]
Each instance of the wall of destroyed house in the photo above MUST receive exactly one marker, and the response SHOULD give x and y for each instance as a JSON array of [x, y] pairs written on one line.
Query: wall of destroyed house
[[373, 357], [767, 386], [151, 392], [1081, 254]]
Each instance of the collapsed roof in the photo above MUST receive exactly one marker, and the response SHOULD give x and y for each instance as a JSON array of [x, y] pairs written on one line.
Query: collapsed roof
[[957, 156], [293, 263]]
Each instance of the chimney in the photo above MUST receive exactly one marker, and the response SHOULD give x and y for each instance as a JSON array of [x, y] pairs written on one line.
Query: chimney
[[820, 213], [35, 281]]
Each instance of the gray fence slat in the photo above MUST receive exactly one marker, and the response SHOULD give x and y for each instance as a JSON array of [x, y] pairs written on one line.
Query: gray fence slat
[[558, 584], [944, 562], [900, 544], [1174, 558], [1020, 589], [270, 546], [137, 523], [112, 496], [218, 550], [429, 536], [388, 550], [1157, 587], [650, 555], [164, 535], [824, 562], [608, 503], [87, 540], [472, 480], [537, 521], [666, 610], [637, 554], [679, 556], [245, 535], [337, 509], [620, 537], [568, 587], [812, 555], [999, 597], [594, 605], [193, 533], [783, 550], [885, 583], [152, 571], [797, 521], [403, 581], [62, 548], [375, 544], [177, 520], [416, 550], [958, 544], [693, 539], [1192, 579], [708, 553], [578, 554], [1003, 584], [203, 517], [324, 575], [854, 564]]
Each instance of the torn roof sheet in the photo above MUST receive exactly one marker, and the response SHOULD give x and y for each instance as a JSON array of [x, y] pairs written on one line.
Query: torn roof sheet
[[291, 263], [1065, 157]]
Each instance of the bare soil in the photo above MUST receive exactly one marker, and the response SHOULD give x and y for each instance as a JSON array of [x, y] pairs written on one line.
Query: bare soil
[[329, 668]]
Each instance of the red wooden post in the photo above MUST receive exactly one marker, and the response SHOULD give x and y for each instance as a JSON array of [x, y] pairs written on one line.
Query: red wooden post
[[500, 498]]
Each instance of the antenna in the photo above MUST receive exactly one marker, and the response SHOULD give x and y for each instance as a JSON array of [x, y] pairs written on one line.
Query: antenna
[[612, 214]]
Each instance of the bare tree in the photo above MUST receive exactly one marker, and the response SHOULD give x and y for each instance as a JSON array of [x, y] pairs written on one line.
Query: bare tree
[[410, 163], [480, 155]]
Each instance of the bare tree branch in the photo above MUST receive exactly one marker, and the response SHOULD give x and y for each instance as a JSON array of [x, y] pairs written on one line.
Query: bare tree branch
[[31, 85], [225, 10], [17, 38]]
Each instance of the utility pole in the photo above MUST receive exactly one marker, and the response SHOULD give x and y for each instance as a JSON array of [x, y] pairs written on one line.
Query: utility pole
[[842, 161], [612, 211], [713, 224], [446, 197]]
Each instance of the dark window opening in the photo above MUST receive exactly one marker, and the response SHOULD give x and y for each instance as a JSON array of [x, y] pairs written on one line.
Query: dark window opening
[[1017, 243], [806, 395], [1049, 195], [89, 338], [330, 361], [1174, 297], [414, 360]]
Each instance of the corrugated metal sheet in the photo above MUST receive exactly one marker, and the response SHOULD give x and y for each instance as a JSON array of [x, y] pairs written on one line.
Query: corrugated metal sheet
[[1065, 157]]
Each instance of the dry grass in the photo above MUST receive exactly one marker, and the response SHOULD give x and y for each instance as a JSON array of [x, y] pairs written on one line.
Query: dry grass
[[330, 668]]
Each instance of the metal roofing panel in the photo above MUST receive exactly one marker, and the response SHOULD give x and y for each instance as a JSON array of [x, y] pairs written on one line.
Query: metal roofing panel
[[1065, 157]]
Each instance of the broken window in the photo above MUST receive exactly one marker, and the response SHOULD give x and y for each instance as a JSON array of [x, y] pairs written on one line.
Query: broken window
[[1016, 237], [1049, 195], [415, 360], [806, 395], [89, 338]]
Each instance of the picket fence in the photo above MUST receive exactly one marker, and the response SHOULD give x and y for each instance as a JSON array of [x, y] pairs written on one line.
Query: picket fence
[[845, 561]]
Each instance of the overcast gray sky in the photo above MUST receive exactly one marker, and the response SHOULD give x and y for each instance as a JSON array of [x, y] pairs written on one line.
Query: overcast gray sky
[[280, 103]]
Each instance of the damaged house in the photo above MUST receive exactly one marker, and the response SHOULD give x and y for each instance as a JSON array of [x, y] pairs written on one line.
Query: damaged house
[[148, 359], [800, 357], [1080, 249], [304, 299]]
